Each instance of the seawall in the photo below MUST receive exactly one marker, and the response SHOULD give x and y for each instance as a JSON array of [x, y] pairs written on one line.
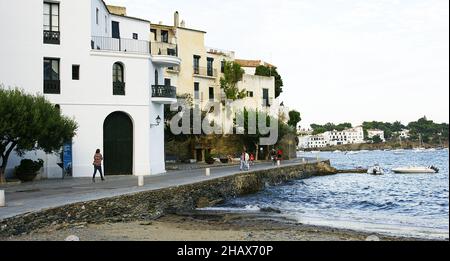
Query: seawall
[[152, 204]]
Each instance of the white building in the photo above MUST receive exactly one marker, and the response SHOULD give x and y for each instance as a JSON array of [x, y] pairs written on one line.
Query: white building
[[403, 134], [97, 67], [332, 138], [348, 136], [375, 132]]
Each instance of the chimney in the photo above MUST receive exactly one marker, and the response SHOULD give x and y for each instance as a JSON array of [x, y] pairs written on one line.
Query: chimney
[[183, 24], [176, 19]]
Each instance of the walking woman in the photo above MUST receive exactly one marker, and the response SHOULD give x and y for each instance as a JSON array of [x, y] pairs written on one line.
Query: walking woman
[[98, 158]]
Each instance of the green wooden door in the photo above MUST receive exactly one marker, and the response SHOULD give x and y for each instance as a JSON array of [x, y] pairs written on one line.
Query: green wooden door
[[118, 144]]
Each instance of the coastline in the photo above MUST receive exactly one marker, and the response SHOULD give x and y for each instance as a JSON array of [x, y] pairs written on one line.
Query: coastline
[[406, 145], [206, 226]]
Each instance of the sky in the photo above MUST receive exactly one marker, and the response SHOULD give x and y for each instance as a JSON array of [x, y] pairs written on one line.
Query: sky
[[340, 60]]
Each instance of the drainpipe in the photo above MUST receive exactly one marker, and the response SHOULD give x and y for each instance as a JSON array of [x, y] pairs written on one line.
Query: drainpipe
[[2, 198]]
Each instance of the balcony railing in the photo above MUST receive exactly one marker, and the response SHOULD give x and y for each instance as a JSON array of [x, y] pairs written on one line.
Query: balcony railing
[[205, 71], [52, 87], [118, 88], [51, 37], [161, 48], [164, 91], [120, 45]]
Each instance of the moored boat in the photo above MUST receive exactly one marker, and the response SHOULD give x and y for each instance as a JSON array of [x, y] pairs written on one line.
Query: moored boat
[[375, 170], [416, 170]]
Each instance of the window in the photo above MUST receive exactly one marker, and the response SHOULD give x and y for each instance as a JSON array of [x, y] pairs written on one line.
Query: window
[[266, 97], [222, 66], [153, 31], [211, 93], [196, 90], [51, 23], [118, 79], [156, 77], [96, 15], [75, 72], [249, 94], [196, 64], [167, 82], [209, 65], [51, 76], [135, 36], [164, 36]]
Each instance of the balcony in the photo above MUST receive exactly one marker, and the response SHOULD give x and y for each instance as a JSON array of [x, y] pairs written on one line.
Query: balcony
[[164, 94], [133, 46], [165, 54], [118, 88], [51, 37], [52, 87], [205, 72]]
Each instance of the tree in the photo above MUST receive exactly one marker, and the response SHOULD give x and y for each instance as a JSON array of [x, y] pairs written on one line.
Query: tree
[[318, 129], [294, 118], [271, 71], [377, 139], [232, 74], [428, 130], [30, 123]]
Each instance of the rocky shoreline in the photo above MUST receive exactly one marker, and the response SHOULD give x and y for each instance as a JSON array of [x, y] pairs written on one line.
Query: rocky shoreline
[[204, 226]]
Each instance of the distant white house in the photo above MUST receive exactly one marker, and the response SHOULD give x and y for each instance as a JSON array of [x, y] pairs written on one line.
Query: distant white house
[[348, 136], [98, 68], [332, 138], [375, 132], [404, 134]]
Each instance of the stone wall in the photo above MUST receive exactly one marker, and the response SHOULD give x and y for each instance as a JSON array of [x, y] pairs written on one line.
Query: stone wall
[[152, 204]]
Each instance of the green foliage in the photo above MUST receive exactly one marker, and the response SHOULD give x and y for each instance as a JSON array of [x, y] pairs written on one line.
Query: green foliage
[[318, 129], [29, 123], [27, 170], [387, 127], [251, 141], [428, 130], [294, 118], [233, 73], [377, 139], [271, 71]]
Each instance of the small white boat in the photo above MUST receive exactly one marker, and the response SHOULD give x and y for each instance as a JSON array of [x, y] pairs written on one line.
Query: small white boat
[[416, 170], [337, 151], [375, 170], [352, 152]]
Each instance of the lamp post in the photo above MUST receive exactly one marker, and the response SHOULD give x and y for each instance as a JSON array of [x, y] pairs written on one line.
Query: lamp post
[[158, 121]]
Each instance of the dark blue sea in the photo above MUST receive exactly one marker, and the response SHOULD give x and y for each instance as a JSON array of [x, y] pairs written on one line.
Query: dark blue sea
[[395, 204]]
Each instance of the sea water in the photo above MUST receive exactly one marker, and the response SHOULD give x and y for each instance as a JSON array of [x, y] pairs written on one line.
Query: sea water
[[414, 205]]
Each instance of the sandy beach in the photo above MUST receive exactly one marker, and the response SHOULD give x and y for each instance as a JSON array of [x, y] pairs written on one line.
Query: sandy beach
[[202, 226]]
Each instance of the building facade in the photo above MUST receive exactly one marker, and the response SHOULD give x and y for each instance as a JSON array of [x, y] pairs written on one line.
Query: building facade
[[333, 138], [202, 67], [375, 132], [99, 68]]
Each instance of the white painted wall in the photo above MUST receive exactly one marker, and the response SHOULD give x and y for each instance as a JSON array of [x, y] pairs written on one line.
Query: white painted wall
[[249, 70], [103, 28], [128, 26], [88, 100]]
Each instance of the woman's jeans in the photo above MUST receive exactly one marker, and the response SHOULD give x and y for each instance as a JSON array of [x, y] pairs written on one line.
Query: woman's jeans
[[99, 168]]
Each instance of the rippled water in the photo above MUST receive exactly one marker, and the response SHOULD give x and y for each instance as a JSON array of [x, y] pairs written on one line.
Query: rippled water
[[397, 204]]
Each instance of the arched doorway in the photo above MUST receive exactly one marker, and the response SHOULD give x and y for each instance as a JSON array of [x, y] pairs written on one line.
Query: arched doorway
[[118, 144]]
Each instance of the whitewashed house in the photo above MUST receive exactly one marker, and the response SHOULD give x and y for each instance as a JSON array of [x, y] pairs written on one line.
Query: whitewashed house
[[96, 67], [376, 132], [348, 136], [333, 138]]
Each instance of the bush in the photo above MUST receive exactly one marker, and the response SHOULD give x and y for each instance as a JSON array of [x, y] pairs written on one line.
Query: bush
[[208, 158], [27, 170]]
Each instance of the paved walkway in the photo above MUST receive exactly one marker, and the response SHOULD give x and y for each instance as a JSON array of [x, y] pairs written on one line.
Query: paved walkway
[[30, 197]]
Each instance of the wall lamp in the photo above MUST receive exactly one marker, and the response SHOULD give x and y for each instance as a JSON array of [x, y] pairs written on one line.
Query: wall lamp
[[158, 121]]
